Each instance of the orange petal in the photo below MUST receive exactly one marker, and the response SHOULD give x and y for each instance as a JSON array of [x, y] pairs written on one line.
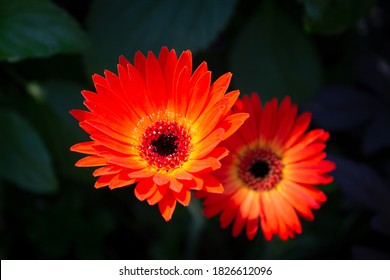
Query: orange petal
[[131, 162], [84, 148], [143, 173], [110, 130], [242, 214], [232, 123], [114, 144], [302, 198], [308, 166], [199, 93], [107, 170], [287, 213], [121, 180], [302, 176], [167, 205], [160, 179], [158, 194], [183, 175], [195, 184], [205, 165], [218, 89], [175, 185], [269, 218], [208, 120], [91, 161], [208, 144]]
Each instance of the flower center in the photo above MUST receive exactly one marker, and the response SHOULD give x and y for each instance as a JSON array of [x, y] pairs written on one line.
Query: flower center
[[260, 169], [165, 145]]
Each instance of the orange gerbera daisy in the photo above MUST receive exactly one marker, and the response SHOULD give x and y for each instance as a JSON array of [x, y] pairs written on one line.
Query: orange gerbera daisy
[[271, 171], [159, 125]]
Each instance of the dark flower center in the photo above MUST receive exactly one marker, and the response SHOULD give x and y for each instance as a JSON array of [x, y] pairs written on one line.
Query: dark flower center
[[165, 145], [260, 169]]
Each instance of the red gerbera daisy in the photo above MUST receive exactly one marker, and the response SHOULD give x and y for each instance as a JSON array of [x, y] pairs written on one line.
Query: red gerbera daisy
[[271, 171], [159, 125]]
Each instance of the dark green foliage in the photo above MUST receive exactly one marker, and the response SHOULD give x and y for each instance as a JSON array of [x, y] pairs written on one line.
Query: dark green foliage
[[332, 57]]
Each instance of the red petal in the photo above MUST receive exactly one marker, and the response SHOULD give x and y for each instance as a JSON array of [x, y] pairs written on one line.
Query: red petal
[[162, 57], [104, 181], [211, 184], [140, 62], [169, 72], [80, 115], [267, 121], [183, 197], [155, 82], [123, 61], [300, 126], [232, 207], [144, 189]]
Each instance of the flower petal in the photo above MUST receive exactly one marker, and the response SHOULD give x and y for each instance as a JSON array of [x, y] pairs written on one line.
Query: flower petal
[[167, 205], [144, 189]]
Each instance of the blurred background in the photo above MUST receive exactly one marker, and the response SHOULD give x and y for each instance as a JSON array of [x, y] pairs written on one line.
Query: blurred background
[[331, 56]]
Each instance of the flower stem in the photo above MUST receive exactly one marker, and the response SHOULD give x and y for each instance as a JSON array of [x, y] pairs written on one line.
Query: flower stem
[[195, 228]]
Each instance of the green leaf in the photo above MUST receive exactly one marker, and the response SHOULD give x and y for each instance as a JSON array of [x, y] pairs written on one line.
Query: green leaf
[[333, 16], [120, 27], [24, 159], [37, 28], [273, 57]]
